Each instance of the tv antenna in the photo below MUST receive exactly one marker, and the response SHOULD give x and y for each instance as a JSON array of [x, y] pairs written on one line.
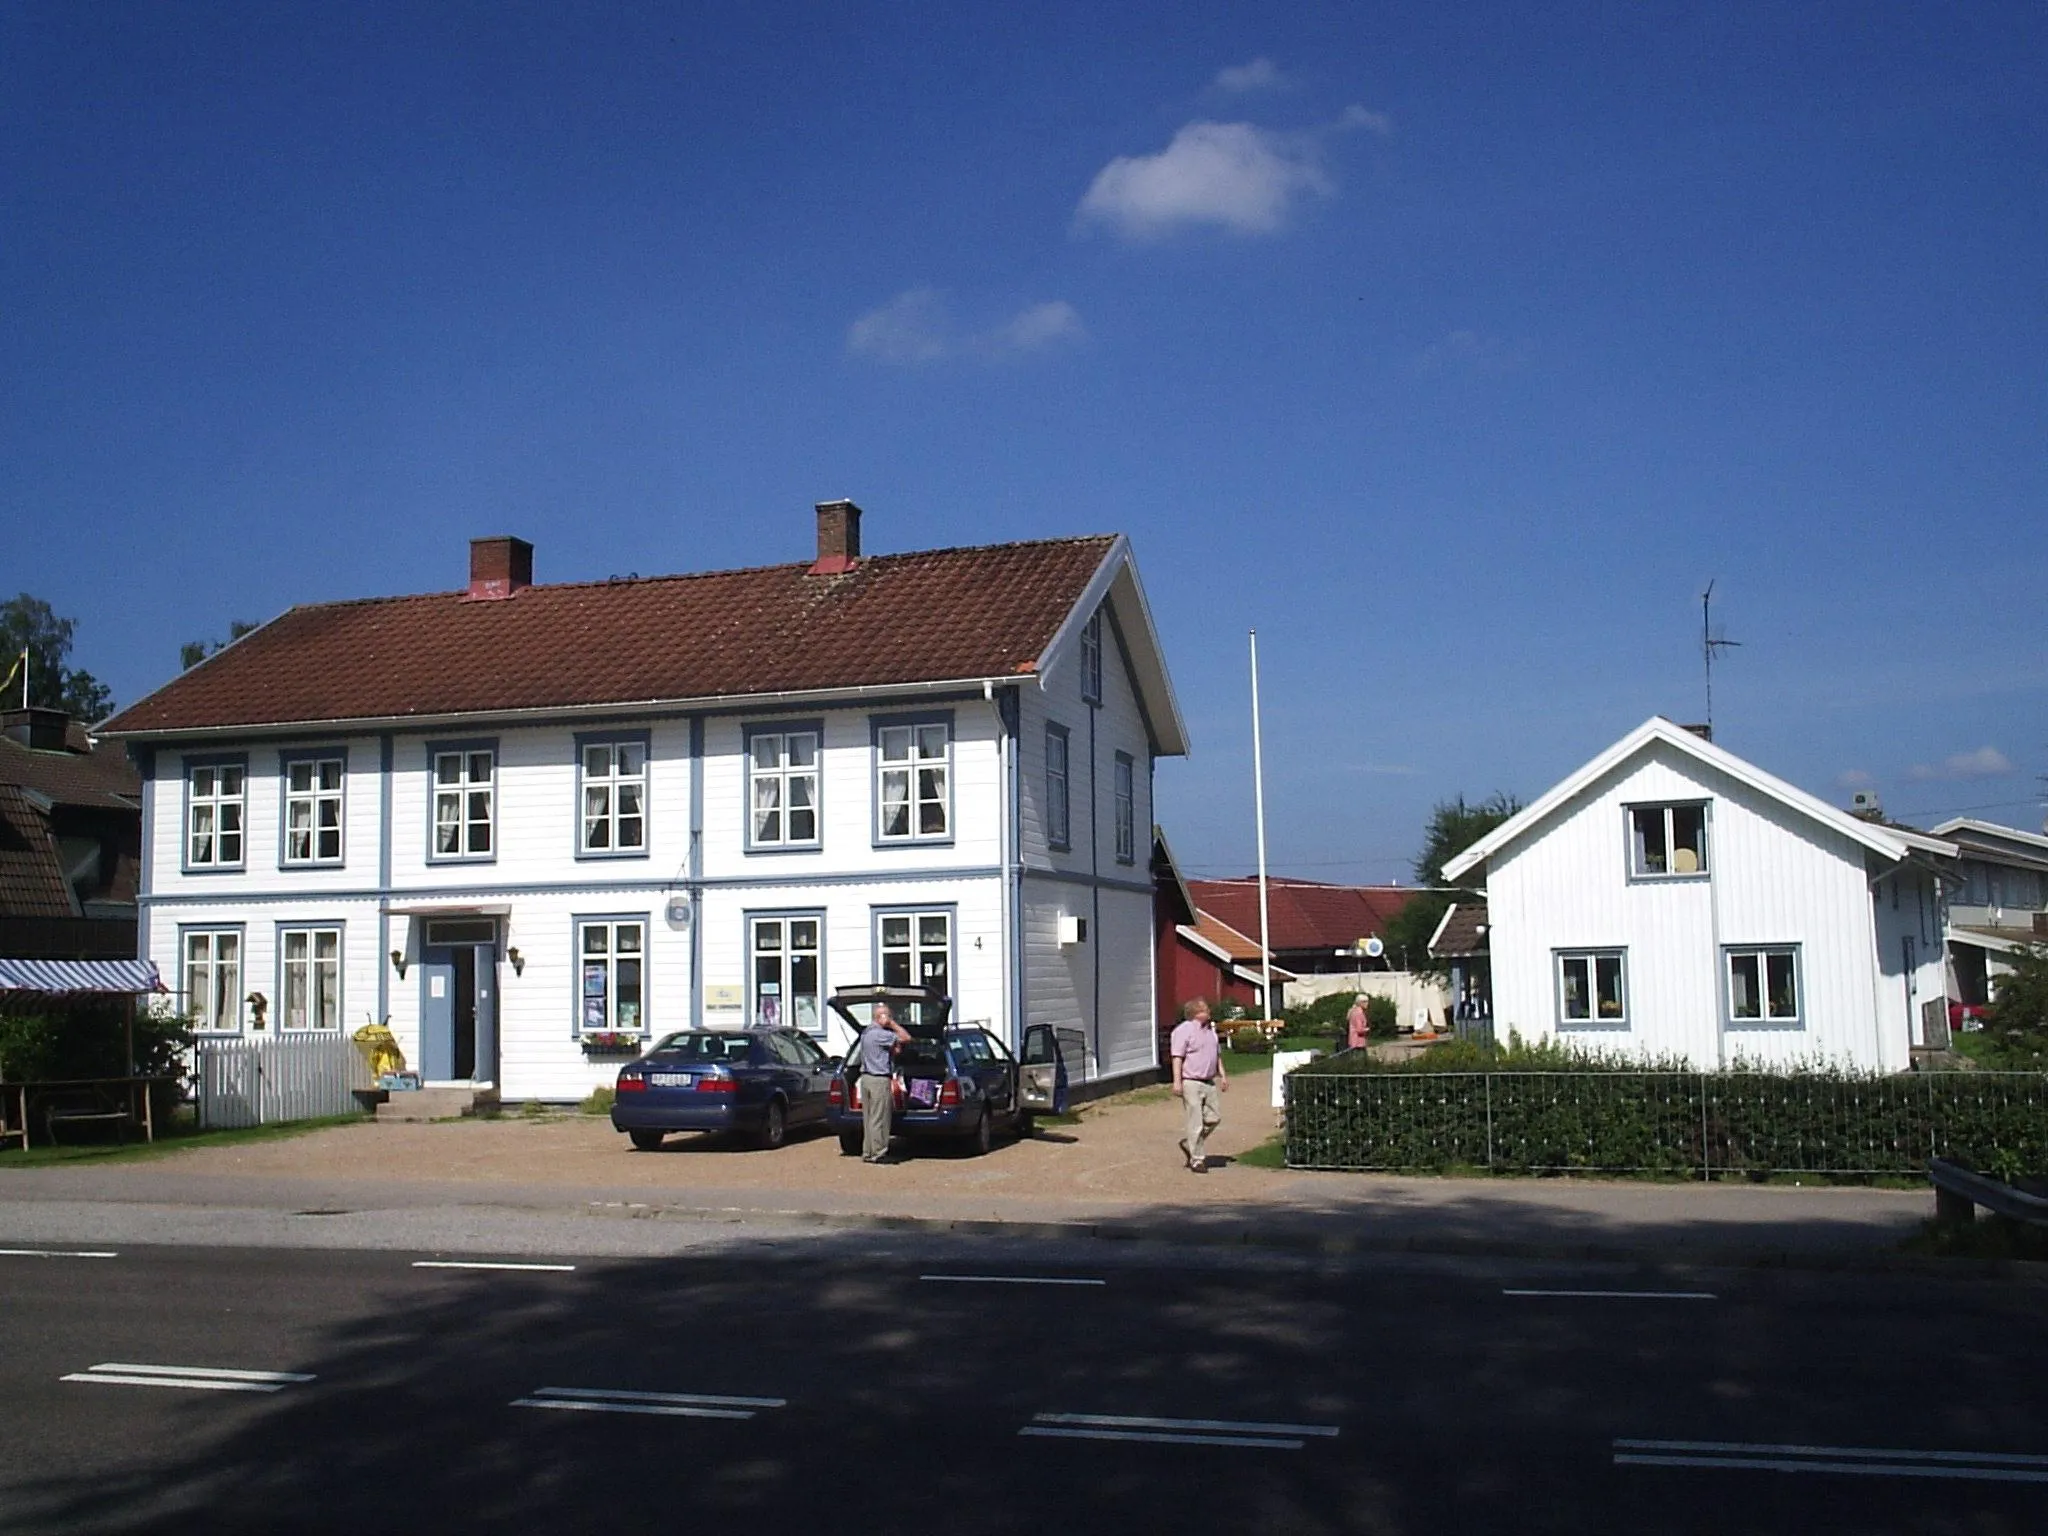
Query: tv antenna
[[1709, 644]]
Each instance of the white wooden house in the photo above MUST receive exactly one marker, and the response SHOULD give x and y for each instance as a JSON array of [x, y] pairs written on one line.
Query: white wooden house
[[523, 821], [1670, 899]]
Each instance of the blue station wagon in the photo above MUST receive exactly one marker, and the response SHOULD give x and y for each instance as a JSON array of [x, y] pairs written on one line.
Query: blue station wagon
[[955, 1082], [763, 1083]]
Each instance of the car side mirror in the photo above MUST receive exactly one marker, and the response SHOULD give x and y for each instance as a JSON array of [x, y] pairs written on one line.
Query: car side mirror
[[835, 1062]]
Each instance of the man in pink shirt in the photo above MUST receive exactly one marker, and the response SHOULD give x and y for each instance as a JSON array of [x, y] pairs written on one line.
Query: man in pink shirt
[[1198, 1080]]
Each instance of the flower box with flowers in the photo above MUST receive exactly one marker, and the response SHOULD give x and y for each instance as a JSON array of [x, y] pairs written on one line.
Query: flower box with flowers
[[613, 1042]]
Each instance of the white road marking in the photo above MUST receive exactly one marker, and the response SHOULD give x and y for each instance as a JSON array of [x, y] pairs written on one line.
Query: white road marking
[[1221, 1426], [1012, 1280], [552, 1269], [54, 1253], [197, 1378], [1245, 1442], [1625, 1295], [1854, 1461], [680, 1405], [1150, 1431]]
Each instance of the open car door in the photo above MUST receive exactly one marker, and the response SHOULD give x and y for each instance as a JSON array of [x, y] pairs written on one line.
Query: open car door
[[1041, 1073]]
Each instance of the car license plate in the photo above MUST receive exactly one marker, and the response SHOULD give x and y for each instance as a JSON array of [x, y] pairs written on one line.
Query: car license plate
[[670, 1079]]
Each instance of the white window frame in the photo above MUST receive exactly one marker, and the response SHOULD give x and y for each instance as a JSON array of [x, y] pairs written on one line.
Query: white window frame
[[1124, 777], [207, 795], [1059, 784], [912, 778], [789, 930], [1760, 956], [1091, 659], [1666, 811], [1591, 959], [609, 788], [461, 793], [916, 946], [314, 799], [210, 984], [307, 970], [786, 782], [608, 958]]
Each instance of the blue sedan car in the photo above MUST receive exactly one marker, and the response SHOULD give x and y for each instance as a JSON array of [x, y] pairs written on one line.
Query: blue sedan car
[[762, 1083], [956, 1082]]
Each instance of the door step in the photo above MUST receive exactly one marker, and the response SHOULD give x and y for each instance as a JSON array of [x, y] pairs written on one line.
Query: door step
[[436, 1103]]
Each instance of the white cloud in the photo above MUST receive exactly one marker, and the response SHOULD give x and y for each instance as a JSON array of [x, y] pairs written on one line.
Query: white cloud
[[1466, 351], [1232, 175], [1261, 74], [1984, 763], [1355, 116], [918, 326], [1854, 778]]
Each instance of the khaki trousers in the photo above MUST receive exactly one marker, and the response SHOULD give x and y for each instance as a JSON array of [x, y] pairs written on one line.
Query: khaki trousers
[[1201, 1109], [877, 1092]]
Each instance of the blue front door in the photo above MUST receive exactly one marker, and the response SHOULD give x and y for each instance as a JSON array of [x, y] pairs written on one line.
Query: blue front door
[[459, 1012]]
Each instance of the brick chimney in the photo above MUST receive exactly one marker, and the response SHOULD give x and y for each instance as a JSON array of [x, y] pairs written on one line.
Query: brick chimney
[[499, 567], [838, 538]]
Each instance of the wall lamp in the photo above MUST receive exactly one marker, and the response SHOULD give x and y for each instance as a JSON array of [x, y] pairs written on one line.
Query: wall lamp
[[518, 961], [398, 962]]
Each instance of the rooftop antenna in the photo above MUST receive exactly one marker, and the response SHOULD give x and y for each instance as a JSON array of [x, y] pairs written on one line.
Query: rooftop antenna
[[1710, 643]]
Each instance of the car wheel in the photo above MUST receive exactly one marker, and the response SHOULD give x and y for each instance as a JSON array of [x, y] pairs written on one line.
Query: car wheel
[[646, 1141], [850, 1143], [983, 1136], [1027, 1125], [775, 1129]]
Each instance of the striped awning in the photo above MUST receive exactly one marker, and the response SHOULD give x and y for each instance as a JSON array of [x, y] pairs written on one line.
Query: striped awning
[[80, 976]]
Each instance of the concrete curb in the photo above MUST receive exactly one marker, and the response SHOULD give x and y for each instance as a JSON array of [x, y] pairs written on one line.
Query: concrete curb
[[1332, 1245]]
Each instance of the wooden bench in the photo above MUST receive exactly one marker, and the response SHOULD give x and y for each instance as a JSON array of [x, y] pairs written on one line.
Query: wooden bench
[[121, 1101]]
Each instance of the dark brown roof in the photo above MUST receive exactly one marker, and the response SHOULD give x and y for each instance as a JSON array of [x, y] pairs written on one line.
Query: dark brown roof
[[101, 776], [1303, 914], [1463, 932], [32, 880], [934, 616]]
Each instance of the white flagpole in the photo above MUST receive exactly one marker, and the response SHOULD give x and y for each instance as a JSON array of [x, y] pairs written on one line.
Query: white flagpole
[[1259, 800]]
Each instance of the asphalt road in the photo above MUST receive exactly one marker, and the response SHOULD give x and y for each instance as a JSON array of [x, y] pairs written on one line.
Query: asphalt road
[[824, 1385]]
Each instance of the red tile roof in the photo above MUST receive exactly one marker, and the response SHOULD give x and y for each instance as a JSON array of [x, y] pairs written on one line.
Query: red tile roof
[[914, 618], [1303, 914]]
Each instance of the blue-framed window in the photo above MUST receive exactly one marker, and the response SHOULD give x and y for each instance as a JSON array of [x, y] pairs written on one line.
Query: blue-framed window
[[1763, 985], [462, 801], [786, 970], [313, 790], [309, 976], [913, 778], [1059, 828], [1667, 841], [1091, 659], [914, 946], [216, 814], [1126, 787], [784, 776], [611, 795], [611, 973], [1592, 988], [210, 976]]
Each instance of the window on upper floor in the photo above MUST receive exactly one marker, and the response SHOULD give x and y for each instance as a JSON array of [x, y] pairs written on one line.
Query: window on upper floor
[[782, 788], [465, 802], [1763, 984], [1126, 809], [611, 972], [216, 805], [614, 777], [1091, 659], [309, 979], [1592, 987], [313, 790], [211, 979], [1667, 841], [1059, 829], [914, 780]]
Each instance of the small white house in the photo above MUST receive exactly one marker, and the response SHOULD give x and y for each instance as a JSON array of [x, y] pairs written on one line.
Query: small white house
[[530, 825], [1669, 899]]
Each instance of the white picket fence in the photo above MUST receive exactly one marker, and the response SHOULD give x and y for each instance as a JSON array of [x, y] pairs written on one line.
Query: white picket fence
[[282, 1077]]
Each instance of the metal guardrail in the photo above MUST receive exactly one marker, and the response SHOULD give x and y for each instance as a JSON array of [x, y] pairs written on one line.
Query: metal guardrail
[[284, 1077], [1958, 1191]]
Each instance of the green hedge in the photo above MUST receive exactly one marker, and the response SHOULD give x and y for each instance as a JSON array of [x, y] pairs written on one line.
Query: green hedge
[[1616, 1119]]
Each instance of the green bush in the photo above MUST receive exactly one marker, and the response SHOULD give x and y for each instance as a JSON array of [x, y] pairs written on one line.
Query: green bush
[[62, 1038], [2015, 1033], [1322, 1016], [599, 1102], [1382, 1018], [1249, 1040]]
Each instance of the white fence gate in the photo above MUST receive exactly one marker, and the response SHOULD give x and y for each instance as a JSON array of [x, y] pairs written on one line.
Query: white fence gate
[[284, 1077]]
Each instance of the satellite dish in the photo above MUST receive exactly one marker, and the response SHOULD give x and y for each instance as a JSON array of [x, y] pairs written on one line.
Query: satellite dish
[[1373, 947]]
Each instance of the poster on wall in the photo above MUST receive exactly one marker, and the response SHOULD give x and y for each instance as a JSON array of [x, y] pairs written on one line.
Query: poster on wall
[[594, 997]]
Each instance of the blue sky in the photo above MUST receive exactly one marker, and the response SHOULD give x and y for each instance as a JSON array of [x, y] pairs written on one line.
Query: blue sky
[[1455, 348]]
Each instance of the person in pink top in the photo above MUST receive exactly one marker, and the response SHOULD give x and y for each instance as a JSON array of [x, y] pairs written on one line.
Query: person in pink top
[[1356, 1027], [1198, 1080]]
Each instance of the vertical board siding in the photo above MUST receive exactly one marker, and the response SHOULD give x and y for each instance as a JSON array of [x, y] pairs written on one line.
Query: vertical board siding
[[278, 1078]]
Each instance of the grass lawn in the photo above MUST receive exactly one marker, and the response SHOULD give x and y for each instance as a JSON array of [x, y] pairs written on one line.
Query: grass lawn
[[177, 1138]]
